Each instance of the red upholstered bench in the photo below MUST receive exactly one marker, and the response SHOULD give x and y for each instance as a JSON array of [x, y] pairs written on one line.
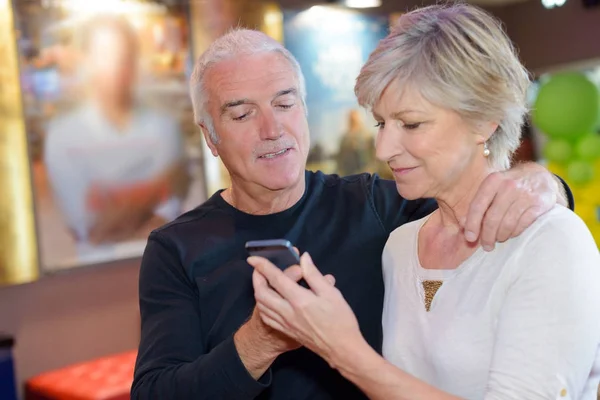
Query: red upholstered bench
[[106, 378]]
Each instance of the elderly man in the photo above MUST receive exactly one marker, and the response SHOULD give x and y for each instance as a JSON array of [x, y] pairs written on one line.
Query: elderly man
[[201, 338]]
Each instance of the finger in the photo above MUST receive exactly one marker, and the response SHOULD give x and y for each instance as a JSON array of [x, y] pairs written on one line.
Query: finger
[[316, 281], [273, 324], [285, 286], [265, 311], [510, 222], [494, 217], [296, 250], [527, 218], [330, 279], [294, 273], [265, 295], [480, 204]]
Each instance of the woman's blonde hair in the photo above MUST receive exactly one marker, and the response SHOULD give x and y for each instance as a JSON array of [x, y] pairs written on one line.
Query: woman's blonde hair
[[458, 57]]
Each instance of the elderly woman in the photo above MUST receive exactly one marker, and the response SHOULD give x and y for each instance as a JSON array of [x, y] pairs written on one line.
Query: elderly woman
[[520, 321]]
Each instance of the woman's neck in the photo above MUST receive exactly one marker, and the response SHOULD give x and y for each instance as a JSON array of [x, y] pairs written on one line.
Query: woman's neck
[[442, 242], [455, 202]]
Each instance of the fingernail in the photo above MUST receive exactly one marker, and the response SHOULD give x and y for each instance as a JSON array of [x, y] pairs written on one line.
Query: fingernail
[[487, 247], [471, 237]]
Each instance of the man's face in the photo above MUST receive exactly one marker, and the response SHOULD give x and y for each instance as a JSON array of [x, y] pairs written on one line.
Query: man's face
[[111, 61], [259, 118]]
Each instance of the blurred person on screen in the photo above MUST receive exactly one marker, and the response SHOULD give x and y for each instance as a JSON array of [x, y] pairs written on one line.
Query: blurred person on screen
[[356, 152], [357, 147], [116, 166]]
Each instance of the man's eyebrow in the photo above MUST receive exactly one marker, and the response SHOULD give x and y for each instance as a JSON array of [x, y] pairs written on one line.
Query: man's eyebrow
[[233, 103], [285, 91]]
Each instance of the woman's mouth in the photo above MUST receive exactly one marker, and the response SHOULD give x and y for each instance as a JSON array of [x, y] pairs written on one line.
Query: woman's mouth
[[402, 171]]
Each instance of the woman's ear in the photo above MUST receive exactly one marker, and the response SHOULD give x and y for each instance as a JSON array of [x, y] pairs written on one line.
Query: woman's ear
[[484, 131]]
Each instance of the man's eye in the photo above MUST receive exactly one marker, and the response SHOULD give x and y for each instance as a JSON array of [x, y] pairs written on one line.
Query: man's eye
[[286, 106], [241, 117], [380, 125]]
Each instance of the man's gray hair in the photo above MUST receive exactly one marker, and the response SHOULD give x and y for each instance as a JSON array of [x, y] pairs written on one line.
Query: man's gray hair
[[238, 42]]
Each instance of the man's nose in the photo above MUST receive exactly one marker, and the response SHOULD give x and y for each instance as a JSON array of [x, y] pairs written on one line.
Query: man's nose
[[270, 128]]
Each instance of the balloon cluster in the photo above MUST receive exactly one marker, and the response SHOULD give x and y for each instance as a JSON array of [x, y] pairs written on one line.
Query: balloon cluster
[[567, 110]]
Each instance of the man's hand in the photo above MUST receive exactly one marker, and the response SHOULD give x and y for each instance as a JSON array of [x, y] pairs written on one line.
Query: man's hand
[[120, 222], [123, 212], [318, 317], [257, 344], [509, 202]]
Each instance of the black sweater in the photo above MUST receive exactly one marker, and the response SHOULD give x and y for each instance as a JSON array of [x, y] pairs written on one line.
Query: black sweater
[[196, 289]]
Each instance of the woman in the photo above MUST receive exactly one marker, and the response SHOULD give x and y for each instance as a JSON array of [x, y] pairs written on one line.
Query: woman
[[519, 321]]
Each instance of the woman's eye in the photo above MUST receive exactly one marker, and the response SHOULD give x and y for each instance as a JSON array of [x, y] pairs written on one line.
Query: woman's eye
[[412, 126]]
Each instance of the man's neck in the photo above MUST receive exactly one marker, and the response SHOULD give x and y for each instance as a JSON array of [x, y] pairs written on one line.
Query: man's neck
[[117, 111], [261, 201]]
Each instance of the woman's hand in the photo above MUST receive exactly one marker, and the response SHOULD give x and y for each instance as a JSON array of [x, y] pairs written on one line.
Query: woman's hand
[[319, 317]]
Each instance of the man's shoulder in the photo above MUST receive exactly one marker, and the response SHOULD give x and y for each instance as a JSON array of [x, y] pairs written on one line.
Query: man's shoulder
[[68, 126], [364, 180], [196, 219], [156, 116]]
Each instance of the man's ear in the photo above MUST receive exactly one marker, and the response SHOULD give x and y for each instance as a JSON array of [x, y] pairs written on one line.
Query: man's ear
[[209, 142]]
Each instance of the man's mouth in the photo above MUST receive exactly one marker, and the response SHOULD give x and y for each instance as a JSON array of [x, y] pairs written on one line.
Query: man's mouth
[[275, 154]]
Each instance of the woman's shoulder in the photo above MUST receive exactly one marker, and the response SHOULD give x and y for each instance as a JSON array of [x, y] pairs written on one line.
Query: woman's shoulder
[[407, 230], [557, 241], [402, 240], [560, 223]]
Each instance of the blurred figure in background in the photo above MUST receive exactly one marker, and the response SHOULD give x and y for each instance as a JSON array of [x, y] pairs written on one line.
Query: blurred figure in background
[[116, 167], [357, 150], [357, 147]]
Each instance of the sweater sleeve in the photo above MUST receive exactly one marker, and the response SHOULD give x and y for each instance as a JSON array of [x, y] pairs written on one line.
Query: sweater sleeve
[[173, 360], [548, 331]]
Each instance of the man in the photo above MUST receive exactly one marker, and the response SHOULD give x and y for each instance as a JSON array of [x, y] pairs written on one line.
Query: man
[[201, 338], [116, 167]]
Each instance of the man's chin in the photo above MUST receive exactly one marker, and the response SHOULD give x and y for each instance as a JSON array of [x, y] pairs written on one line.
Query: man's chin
[[280, 181]]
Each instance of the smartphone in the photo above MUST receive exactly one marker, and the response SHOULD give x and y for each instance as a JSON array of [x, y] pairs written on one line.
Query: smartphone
[[279, 251]]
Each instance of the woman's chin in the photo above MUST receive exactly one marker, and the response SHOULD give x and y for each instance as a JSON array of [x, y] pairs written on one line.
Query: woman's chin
[[410, 192]]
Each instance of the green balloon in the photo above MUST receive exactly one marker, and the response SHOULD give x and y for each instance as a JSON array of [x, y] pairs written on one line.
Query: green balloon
[[580, 172], [558, 150], [567, 106], [588, 147]]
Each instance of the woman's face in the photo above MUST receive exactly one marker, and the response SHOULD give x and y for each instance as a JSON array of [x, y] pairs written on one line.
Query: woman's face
[[432, 151]]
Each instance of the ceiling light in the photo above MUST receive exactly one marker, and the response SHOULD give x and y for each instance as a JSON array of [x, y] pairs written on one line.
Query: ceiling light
[[362, 3], [553, 3]]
